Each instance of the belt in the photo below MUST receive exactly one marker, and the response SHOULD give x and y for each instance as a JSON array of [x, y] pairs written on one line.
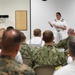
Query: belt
[[58, 30]]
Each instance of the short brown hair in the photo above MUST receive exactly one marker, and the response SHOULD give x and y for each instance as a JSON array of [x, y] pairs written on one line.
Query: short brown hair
[[48, 36], [71, 31], [37, 32], [9, 28], [9, 42]]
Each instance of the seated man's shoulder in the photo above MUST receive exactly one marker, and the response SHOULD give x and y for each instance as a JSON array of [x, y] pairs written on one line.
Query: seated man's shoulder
[[24, 69], [9, 66], [45, 49], [62, 43], [64, 40], [24, 44], [24, 47]]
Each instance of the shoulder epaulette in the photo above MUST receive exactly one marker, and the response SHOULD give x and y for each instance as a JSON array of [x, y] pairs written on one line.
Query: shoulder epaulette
[[62, 20], [55, 20]]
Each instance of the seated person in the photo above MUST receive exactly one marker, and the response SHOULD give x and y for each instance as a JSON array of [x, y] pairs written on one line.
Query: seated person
[[18, 57], [36, 40], [70, 68], [63, 43], [48, 54], [24, 48], [11, 40]]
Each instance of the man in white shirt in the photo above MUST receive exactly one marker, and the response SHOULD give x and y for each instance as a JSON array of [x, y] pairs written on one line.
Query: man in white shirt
[[60, 26], [36, 41], [70, 68]]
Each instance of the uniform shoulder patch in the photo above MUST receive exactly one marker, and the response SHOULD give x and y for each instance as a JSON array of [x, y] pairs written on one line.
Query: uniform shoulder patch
[[62, 20], [55, 20]]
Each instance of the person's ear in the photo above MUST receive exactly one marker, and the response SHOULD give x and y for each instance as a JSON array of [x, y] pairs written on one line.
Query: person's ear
[[25, 39], [69, 53], [53, 38], [17, 48]]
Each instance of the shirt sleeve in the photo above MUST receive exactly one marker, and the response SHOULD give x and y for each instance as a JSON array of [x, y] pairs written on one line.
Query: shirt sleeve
[[65, 23], [53, 22]]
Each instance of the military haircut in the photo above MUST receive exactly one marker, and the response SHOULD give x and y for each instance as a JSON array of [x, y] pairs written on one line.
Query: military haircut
[[71, 31], [10, 39], [37, 32], [48, 36], [9, 28], [71, 45]]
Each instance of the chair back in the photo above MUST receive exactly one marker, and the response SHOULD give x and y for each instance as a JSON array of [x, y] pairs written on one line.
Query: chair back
[[44, 70]]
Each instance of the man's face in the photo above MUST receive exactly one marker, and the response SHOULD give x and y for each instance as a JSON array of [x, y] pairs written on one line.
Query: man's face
[[58, 16]]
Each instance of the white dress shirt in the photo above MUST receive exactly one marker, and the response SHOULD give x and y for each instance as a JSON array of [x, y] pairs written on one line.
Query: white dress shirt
[[18, 57], [66, 70], [36, 41]]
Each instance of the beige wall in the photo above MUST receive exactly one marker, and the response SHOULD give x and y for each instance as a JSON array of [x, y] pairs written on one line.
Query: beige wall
[[8, 7]]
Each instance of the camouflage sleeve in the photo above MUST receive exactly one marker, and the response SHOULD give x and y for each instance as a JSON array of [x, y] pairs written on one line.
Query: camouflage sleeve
[[33, 57], [61, 44], [31, 72], [62, 58], [25, 51]]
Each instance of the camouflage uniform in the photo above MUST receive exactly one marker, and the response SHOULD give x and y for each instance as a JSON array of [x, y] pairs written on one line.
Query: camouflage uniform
[[49, 55], [62, 44], [8, 66], [25, 50]]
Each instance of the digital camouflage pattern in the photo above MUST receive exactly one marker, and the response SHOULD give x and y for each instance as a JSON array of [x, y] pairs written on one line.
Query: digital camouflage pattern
[[8, 66], [62, 44], [49, 55], [25, 50]]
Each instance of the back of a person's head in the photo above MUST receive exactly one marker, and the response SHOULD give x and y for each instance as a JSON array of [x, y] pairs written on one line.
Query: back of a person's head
[[9, 28], [23, 37], [70, 31], [11, 39], [48, 36], [37, 32], [71, 45]]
